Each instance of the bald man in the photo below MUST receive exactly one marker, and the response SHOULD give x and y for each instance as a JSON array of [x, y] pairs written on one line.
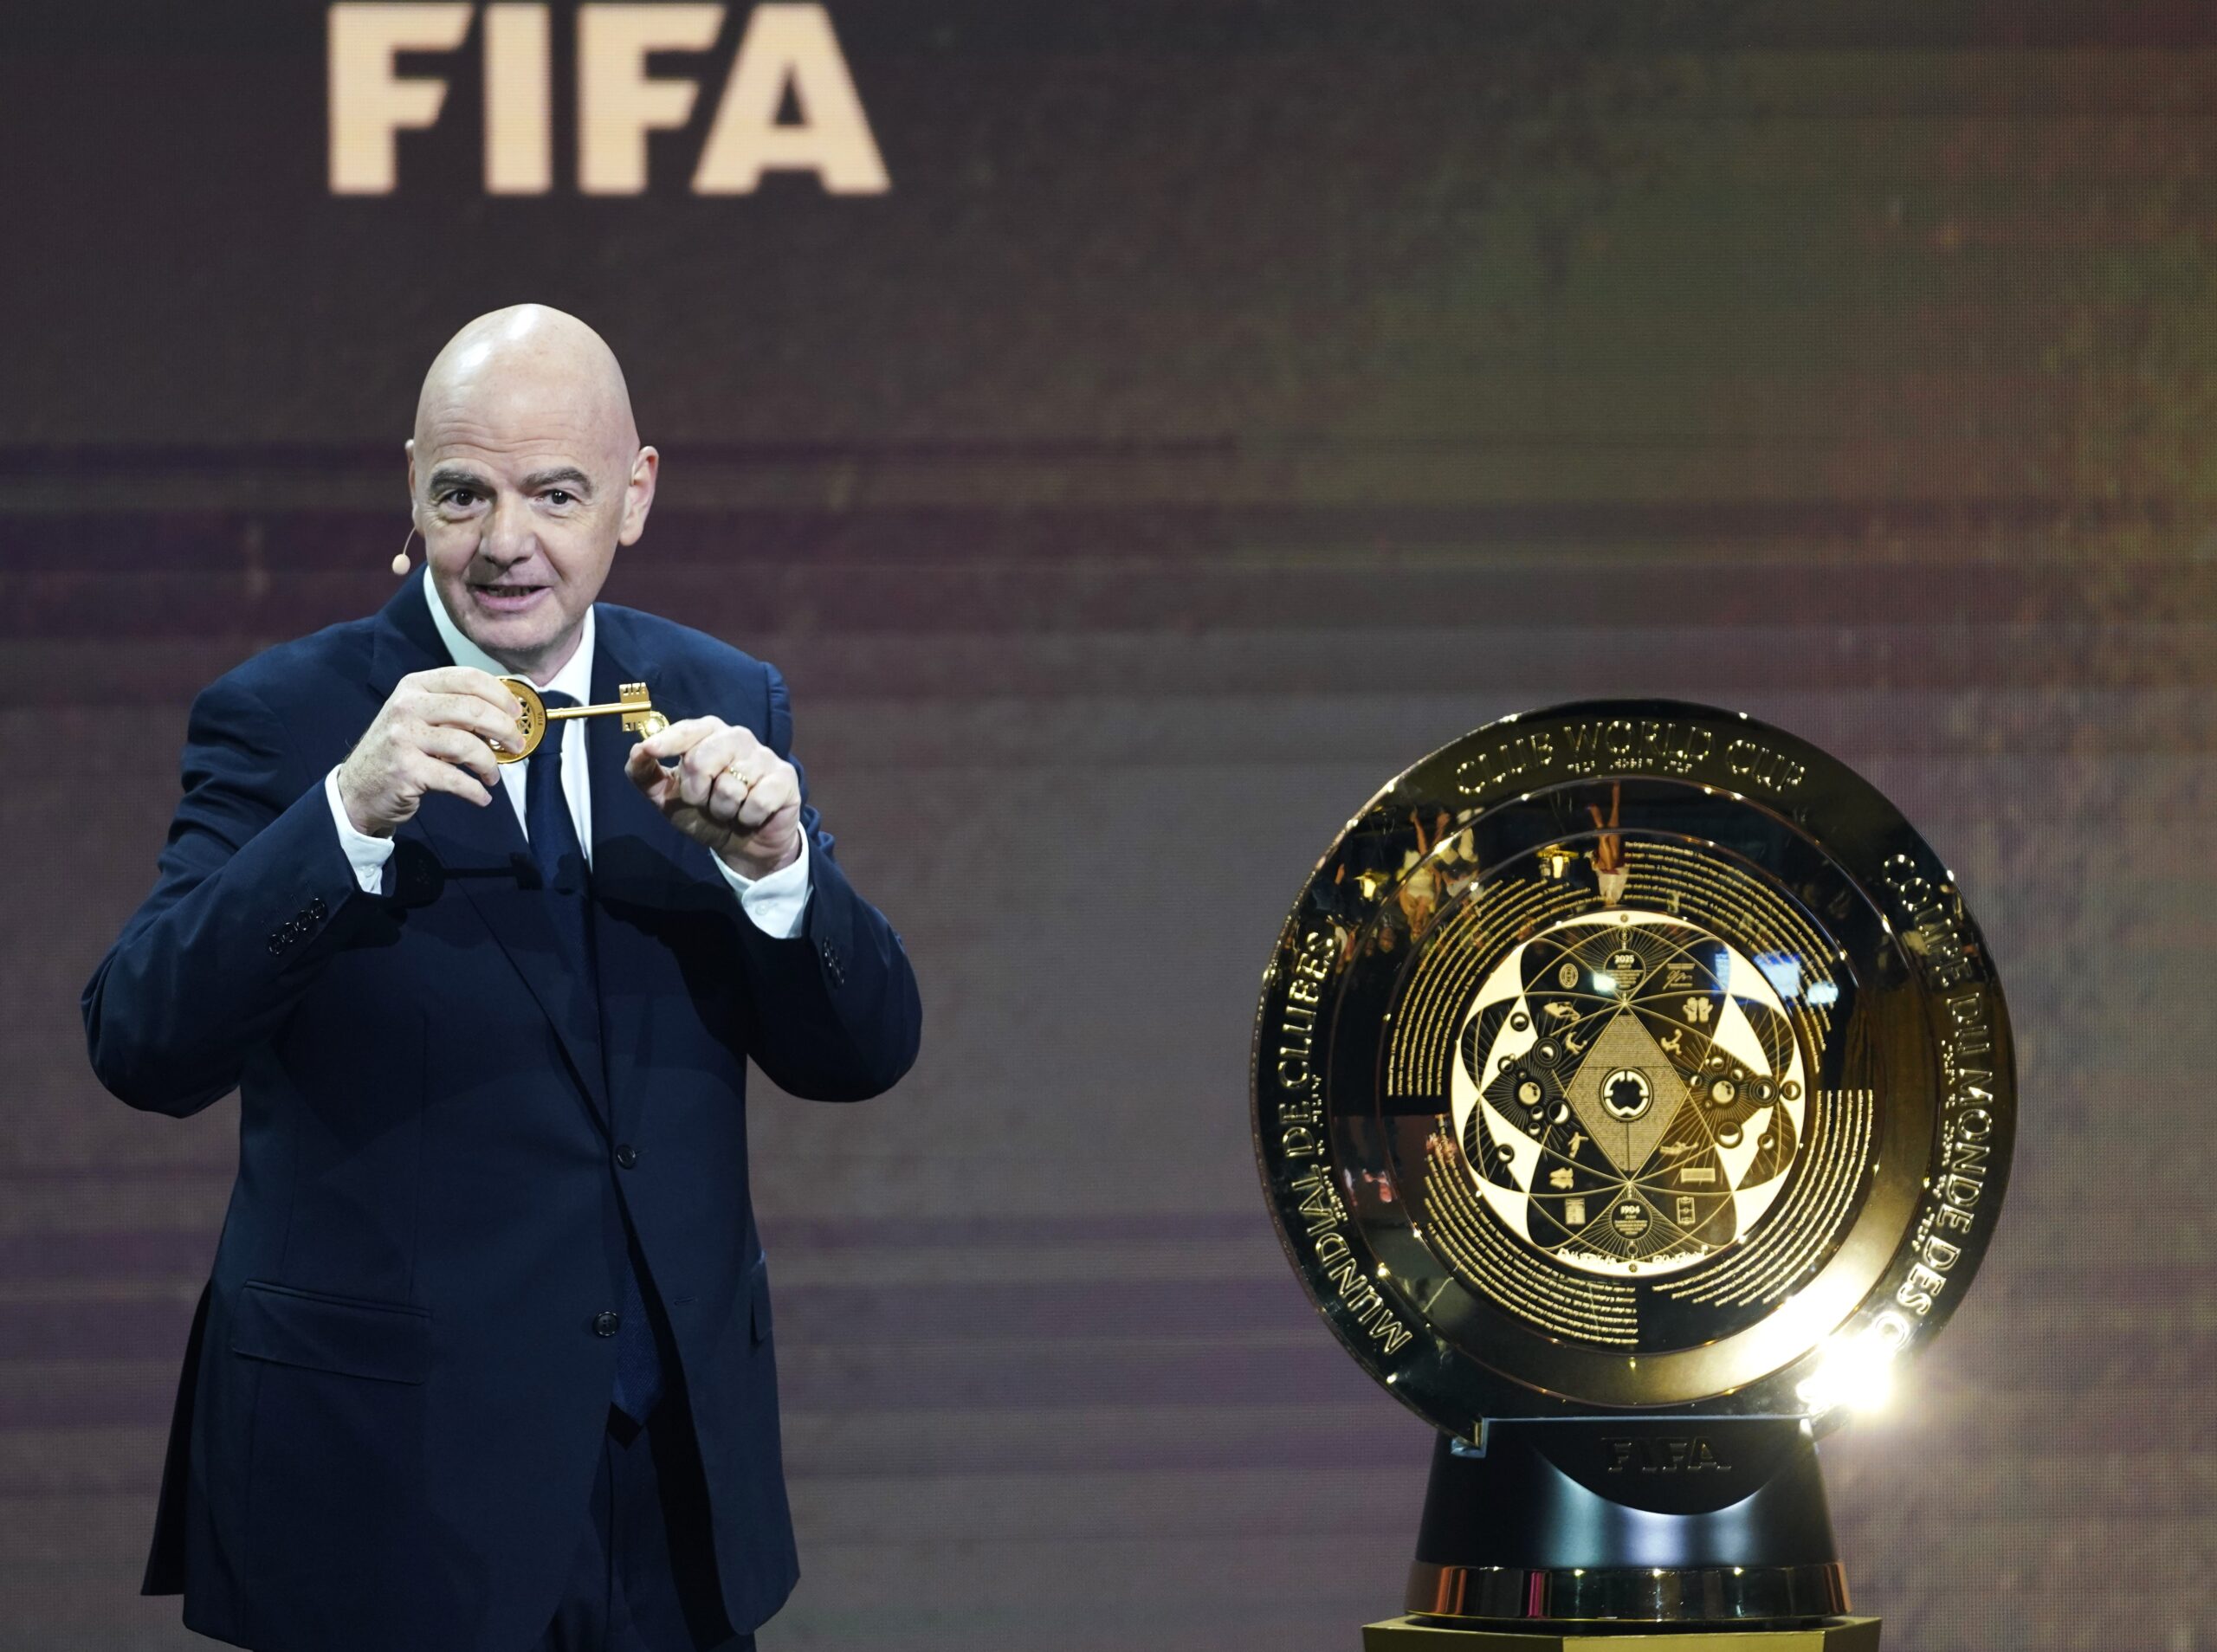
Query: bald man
[[485, 1363]]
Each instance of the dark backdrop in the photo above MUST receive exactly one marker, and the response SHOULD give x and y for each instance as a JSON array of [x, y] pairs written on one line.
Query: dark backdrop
[[1227, 404]]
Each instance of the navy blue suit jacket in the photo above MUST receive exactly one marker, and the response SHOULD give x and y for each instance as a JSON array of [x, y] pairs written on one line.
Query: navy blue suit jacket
[[392, 1403]]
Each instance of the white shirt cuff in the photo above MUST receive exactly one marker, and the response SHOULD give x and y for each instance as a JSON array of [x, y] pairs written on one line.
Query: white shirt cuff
[[367, 855], [775, 904]]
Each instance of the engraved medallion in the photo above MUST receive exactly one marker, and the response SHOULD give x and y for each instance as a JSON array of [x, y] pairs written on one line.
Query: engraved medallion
[[1631, 1057]]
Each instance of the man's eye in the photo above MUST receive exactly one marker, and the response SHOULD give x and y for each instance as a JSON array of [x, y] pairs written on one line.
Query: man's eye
[[559, 496], [457, 496]]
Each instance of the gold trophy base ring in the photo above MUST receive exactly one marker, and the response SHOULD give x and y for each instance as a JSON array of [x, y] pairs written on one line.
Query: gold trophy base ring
[[1663, 1595], [1416, 1635], [632, 703]]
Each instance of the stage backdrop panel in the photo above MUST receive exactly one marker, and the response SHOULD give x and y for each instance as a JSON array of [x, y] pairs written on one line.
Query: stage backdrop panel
[[1212, 407]]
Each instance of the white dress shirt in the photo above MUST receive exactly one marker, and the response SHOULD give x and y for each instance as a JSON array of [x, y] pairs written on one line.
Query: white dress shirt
[[776, 904]]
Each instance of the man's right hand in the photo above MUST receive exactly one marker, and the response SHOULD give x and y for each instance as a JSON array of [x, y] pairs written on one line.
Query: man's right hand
[[432, 736]]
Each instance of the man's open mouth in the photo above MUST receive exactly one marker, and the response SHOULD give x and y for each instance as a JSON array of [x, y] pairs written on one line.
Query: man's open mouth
[[506, 595]]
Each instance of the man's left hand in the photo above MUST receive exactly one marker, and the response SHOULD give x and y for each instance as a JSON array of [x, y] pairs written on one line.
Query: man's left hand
[[728, 790]]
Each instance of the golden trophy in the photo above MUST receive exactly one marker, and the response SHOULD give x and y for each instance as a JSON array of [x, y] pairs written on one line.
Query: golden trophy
[[1633, 1094]]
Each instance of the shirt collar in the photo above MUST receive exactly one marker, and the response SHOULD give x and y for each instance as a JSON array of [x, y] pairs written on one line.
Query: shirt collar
[[574, 679]]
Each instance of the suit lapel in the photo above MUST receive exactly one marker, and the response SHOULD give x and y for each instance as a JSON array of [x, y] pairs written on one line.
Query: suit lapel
[[484, 851]]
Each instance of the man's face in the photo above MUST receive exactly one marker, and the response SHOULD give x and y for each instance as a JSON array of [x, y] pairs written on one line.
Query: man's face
[[523, 494]]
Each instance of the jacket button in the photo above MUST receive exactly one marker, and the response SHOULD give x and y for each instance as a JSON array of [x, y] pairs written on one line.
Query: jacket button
[[607, 1322], [627, 1156]]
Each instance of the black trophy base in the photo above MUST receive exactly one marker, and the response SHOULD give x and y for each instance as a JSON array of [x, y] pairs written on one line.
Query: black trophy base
[[1610, 1527]]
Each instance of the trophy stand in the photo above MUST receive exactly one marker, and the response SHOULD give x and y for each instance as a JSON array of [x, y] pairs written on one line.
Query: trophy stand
[[1617, 1533]]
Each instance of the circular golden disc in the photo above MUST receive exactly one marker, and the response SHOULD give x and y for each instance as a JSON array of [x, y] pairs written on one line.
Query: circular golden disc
[[531, 727], [1630, 1055]]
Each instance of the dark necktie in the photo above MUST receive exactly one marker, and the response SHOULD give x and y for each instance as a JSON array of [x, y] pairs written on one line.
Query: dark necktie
[[567, 885]]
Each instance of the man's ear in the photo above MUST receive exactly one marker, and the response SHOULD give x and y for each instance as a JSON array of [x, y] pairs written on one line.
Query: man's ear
[[409, 447], [638, 495]]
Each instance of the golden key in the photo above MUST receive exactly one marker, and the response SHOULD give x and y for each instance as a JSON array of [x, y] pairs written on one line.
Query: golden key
[[639, 716]]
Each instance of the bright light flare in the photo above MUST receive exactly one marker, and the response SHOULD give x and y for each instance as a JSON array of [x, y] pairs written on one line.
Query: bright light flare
[[1855, 1371]]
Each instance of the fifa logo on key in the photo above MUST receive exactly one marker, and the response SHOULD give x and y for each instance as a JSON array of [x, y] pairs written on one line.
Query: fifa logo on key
[[788, 57]]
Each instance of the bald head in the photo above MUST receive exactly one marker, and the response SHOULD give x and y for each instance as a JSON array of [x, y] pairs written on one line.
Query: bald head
[[526, 473], [535, 353]]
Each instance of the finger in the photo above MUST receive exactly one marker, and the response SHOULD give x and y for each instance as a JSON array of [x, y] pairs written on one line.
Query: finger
[[468, 711], [695, 782], [782, 828], [682, 735], [651, 778], [773, 795], [715, 749], [467, 680], [736, 750], [456, 745], [428, 775], [698, 771], [728, 798]]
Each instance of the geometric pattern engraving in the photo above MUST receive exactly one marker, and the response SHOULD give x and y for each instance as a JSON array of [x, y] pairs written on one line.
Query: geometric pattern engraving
[[1629, 1092], [1466, 1238]]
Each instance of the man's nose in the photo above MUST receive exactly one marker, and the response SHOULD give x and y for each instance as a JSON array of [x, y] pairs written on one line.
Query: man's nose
[[510, 536]]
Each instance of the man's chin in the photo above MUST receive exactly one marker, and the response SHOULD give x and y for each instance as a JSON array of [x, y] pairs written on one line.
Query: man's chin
[[518, 633]]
